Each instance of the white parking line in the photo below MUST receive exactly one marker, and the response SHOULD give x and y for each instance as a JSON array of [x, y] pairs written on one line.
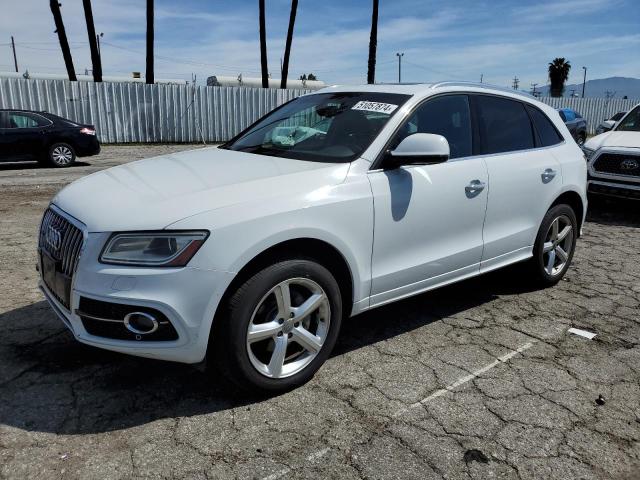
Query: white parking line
[[467, 378], [582, 333], [311, 458], [438, 393]]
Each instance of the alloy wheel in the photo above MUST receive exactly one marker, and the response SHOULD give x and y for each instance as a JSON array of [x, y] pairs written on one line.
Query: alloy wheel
[[288, 328], [557, 245], [62, 155]]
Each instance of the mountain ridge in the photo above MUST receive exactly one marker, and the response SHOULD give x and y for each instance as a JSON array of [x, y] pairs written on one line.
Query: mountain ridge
[[618, 86]]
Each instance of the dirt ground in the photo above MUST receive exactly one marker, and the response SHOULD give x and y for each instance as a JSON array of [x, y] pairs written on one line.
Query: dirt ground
[[477, 380]]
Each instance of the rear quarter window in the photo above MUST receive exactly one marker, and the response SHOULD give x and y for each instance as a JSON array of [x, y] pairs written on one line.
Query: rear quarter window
[[547, 134]]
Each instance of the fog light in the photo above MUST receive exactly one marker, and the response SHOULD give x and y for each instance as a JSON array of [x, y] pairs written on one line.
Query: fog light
[[140, 323]]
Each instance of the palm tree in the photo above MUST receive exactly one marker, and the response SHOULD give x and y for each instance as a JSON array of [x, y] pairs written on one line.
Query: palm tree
[[558, 75], [263, 47], [373, 43], [149, 75], [287, 48]]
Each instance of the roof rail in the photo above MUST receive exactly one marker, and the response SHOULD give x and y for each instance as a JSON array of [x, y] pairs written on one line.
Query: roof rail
[[482, 85]]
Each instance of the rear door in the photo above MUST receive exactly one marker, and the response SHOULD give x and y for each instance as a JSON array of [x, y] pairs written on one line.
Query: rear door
[[27, 131], [524, 177]]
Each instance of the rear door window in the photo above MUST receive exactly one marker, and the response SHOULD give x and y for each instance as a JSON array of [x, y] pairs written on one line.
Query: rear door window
[[504, 125], [26, 120], [547, 133]]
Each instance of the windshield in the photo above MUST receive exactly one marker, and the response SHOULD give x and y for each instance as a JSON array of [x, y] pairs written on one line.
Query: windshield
[[617, 116], [630, 123], [324, 127]]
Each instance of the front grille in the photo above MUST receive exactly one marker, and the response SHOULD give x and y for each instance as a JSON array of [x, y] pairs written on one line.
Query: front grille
[[64, 246], [61, 241], [618, 164]]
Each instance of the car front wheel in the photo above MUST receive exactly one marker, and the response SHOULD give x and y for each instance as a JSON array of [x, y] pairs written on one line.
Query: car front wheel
[[555, 245], [279, 326], [61, 155]]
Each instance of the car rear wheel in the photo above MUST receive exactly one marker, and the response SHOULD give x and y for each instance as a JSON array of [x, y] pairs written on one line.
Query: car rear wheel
[[279, 327], [555, 245], [61, 155]]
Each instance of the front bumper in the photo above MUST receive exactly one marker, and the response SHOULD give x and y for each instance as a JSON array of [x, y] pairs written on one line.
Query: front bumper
[[188, 297], [611, 189]]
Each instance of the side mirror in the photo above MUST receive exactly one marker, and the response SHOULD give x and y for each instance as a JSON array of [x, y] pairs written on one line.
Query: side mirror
[[419, 148]]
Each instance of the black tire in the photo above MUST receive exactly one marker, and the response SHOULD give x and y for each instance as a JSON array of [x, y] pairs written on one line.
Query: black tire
[[582, 137], [61, 155], [539, 265], [229, 349]]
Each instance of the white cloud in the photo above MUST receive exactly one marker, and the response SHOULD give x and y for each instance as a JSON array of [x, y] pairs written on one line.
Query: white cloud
[[440, 42]]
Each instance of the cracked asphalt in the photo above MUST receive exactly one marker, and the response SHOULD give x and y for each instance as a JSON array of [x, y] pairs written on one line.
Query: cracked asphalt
[[476, 380]]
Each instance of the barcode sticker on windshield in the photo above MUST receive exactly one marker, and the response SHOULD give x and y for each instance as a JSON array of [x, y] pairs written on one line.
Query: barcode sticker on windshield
[[374, 106]]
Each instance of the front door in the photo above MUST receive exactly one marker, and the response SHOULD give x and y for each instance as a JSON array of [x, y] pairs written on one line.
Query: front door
[[428, 218]]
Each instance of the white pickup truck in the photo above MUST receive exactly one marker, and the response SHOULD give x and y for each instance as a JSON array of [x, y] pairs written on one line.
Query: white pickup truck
[[614, 159]]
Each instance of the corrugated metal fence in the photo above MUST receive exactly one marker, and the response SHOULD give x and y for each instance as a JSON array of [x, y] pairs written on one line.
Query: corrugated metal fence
[[594, 110], [133, 112]]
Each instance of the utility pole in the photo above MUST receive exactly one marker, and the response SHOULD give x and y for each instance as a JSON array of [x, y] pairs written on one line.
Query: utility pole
[[533, 89], [62, 37], [15, 59], [149, 73], [93, 45], [481, 77], [400, 55], [98, 42], [516, 82], [584, 80]]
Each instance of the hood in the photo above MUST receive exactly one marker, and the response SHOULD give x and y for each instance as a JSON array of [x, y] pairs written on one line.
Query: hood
[[614, 139], [153, 193]]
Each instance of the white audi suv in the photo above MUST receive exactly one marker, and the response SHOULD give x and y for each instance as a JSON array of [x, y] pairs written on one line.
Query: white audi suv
[[252, 254]]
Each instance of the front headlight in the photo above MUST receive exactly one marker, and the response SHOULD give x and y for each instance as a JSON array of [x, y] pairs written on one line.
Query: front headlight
[[588, 153], [153, 249]]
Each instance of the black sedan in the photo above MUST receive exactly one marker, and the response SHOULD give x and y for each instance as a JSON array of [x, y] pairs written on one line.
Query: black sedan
[[47, 138], [575, 123]]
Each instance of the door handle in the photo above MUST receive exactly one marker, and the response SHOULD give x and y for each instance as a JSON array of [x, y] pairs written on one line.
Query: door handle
[[474, 188], [548, 175]]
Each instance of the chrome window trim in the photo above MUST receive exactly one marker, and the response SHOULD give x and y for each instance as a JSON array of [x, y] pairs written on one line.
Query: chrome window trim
[[635, 152], [484, 155]]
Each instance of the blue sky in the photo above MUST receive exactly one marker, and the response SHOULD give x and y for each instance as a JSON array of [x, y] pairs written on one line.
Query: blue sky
[[456, 40]]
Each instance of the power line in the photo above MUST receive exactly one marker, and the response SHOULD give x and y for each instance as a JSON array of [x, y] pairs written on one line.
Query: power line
[[183, 61]]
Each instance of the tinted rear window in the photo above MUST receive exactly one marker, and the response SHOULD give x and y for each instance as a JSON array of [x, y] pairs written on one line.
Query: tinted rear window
[[505, 125], [547, 133]]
